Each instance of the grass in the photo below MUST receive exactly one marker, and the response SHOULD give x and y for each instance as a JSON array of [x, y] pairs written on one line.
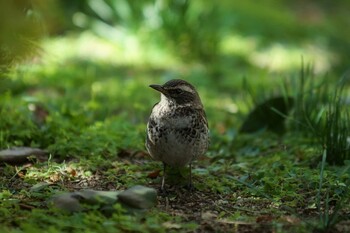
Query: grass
[[335, 135], [91, 114], [329, 218]]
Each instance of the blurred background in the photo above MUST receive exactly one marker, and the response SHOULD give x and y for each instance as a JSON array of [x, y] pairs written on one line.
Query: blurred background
[[235, 35], [87, 62], [273, 78]]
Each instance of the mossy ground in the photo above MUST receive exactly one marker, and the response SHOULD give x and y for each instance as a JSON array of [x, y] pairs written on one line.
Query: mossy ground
[[90, 114]]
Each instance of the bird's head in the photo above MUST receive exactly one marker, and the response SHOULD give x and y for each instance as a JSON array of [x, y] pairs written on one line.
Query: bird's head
[[180, 92]]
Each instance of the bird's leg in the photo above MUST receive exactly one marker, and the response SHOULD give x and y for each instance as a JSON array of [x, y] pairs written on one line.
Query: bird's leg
[[190, 187], [163, 178]]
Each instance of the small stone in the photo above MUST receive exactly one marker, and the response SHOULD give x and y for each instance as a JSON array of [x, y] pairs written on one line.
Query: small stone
[[39, 186], [72, 202], [17, 155], [97, 197], [171, 225], [208, 215], [67, 201], [139, 197]]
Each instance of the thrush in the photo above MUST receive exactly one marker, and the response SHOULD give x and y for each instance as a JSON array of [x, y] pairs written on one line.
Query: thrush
[[177, 129]]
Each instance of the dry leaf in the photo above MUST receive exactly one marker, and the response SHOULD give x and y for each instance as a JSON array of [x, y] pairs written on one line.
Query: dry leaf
[[171, 225], [264, 218], [153, 174], [55, 177], [291, 219], [71, 171]]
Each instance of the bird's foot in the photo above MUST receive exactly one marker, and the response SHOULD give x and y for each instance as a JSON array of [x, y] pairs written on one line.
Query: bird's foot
[[163, 192], [190, 187]]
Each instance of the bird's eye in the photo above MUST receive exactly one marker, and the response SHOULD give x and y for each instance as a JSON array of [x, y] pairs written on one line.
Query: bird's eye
[[177, 91]]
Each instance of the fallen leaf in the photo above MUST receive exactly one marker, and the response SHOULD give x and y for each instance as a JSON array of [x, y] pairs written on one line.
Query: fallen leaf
[[140, 154], [55, 177], [125, 153], [21, 174], [171, 225], [25, 206], [291, 219], [264, 218], [154, 174], [71, 171], [221, 128], [21, 171], [208, 215]]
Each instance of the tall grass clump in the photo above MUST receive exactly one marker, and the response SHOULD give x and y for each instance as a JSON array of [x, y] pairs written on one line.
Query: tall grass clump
[[311, 95], [335, 135], [320, 112]]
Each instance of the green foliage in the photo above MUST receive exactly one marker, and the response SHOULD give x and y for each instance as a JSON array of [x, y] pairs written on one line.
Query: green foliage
[[194, 30], [312, 94], [91, 222], [86, 101], [22, 25], [84, 127], [327, 218], [17, 128], [335, 136], [320, 111]]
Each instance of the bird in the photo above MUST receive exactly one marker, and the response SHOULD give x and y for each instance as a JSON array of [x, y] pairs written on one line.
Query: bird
[[177, 129]]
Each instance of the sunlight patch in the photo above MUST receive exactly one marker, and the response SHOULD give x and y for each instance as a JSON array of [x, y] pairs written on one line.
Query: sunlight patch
[[124, 49], [280, 57]]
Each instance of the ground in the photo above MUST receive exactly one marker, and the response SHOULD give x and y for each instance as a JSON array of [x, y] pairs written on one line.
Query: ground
[[90, 116], [217, 204]]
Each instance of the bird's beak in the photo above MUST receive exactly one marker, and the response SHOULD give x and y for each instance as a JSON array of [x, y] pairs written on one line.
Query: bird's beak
[[158, 88]]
